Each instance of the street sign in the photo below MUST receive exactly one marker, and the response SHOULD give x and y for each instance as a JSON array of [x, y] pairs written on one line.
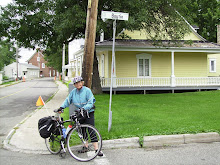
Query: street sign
[[114, 15]]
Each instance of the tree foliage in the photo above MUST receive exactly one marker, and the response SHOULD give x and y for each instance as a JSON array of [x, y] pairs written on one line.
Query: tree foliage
[[51, 23], [205, 14], [7, 53]]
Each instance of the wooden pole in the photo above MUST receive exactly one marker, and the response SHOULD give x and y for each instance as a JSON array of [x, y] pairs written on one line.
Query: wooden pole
[[90, 34]]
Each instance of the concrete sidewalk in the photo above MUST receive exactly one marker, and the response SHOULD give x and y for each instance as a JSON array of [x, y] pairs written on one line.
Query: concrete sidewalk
[[25, 136]]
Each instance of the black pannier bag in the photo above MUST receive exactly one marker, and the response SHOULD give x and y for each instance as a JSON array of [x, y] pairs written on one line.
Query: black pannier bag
[[46, 126]]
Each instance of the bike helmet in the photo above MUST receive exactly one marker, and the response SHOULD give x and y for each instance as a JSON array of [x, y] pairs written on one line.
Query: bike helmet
[[77, 79]]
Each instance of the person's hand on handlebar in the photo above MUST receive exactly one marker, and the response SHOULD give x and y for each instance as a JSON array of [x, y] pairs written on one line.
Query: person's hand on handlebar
[[60, 110]]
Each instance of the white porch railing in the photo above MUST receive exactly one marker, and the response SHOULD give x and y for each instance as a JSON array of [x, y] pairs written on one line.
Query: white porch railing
[[161, 82]]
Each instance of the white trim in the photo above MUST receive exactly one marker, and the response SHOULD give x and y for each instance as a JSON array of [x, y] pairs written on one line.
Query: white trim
[[162, 81], [38, 59], [107, 65], [172, 70], [43, 65], [191, 28], [143, 56], [102, 65], [210, 65], [170, 49]]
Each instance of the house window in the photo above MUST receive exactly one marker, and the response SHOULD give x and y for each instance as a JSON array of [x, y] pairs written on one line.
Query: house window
[[43, 65], [144, 65], [38, 59], [212, 65]]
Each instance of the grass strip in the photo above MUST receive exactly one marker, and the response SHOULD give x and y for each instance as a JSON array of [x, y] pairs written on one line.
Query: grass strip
[[136, 115]]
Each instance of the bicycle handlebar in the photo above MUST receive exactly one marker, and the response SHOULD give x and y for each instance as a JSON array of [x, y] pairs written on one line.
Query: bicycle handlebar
[[79, 113]]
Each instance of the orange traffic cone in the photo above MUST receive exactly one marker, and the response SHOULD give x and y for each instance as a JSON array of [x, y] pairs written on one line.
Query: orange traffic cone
[[23, 79]]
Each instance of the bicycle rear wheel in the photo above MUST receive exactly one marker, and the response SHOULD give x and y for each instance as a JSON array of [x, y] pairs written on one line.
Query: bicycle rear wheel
[[84, 136], [53, 142]]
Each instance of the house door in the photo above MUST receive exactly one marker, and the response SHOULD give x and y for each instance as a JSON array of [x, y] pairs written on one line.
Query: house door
[[25, 74]]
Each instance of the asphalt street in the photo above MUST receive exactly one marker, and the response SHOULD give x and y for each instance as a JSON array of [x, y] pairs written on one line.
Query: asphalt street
[[188, 154], [19, 100]]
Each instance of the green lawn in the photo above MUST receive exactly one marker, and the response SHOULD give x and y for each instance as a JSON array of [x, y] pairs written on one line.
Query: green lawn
[[138, 115]]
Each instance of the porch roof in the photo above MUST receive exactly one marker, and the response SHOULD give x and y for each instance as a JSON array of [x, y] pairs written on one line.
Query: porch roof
[[163, 45]]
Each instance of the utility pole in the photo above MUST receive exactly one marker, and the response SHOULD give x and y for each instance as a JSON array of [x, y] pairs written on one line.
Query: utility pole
[[17, 62], [90, 34]]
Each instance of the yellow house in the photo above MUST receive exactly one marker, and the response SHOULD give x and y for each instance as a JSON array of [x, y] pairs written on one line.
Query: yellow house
[[143, 64], [214, 65]]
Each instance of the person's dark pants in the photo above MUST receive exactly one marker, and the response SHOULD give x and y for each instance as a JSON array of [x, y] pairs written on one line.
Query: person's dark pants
[[90, 121]]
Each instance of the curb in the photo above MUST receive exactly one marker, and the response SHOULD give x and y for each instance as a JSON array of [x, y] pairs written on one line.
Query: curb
[[161, 140], [166, 140], [134, 142], [6, 142], [121, 143]]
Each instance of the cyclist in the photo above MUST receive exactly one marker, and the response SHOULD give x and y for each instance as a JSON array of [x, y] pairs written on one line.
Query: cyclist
[[83, 98]]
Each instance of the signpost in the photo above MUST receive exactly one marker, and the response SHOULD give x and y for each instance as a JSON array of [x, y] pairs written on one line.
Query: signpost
[[115, 16]]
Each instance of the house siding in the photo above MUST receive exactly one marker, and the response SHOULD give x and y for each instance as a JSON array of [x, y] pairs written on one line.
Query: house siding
[[185, 64], [161, 64], [126, 64], [106, 65], [47, 71], [142, 35], [190, 64], [217, 58]]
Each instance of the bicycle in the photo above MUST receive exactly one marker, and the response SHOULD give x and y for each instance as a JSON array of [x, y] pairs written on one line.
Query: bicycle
[[79, 136]]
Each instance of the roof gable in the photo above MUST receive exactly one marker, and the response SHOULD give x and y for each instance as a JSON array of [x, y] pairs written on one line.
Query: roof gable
[[142, 35], [36, 53]]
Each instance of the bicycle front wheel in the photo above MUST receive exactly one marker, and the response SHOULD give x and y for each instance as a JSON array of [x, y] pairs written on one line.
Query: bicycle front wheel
[[53, 142], [84, 142]]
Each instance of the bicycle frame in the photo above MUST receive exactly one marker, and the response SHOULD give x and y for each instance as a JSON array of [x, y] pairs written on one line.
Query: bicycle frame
[[84, 135], [60, 124]]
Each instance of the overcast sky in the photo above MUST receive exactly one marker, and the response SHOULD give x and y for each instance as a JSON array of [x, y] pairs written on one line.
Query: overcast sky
[[27, 53]]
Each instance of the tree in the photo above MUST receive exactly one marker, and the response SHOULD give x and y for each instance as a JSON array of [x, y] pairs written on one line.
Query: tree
[[52, 23], [205, 14], [7, 53]]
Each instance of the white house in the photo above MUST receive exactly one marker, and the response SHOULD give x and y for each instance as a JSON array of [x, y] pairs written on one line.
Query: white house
[[24, 69]]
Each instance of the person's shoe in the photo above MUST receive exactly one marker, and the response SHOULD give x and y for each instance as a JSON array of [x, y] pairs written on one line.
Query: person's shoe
[[83, 150], [100, 153]]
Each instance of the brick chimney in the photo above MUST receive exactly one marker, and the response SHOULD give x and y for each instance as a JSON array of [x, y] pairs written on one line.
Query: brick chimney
[[218, 34]]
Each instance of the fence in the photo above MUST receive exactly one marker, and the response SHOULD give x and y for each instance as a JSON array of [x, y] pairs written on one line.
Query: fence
[[161, 82]]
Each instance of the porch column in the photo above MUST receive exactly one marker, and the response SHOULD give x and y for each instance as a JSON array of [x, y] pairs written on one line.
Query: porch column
[[114, 74], [80, 65], [173, 81], [77, 67]]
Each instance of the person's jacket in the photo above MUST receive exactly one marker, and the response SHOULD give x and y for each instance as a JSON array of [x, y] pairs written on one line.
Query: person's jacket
[[82, 98]]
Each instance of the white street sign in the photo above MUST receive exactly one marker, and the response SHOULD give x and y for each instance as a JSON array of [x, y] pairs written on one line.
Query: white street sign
[[114, 15]]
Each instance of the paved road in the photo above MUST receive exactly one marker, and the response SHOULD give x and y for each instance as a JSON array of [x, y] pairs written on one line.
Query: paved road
[[190, 154], [19, 100]]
